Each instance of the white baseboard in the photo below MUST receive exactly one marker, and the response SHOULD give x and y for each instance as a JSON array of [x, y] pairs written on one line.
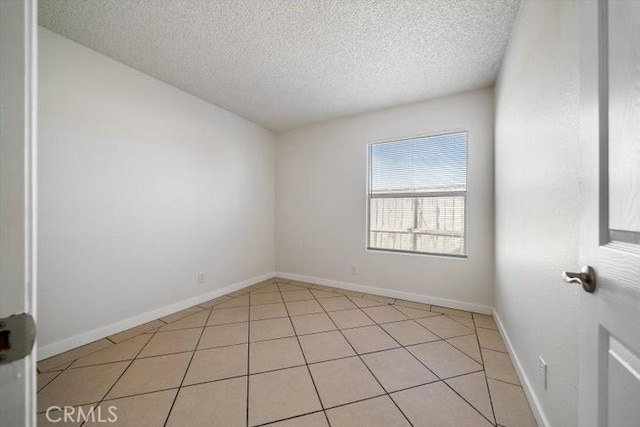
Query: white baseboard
[[66, 344], [541, 418], [392, 293]]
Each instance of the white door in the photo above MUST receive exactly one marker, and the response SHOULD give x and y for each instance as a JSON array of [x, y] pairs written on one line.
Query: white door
[[17, 225], [609, 391]]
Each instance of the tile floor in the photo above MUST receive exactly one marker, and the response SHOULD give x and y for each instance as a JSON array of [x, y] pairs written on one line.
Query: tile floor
[[288, 353]]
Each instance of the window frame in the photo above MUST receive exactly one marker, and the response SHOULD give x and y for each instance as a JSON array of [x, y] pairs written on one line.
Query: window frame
[[465, 193]]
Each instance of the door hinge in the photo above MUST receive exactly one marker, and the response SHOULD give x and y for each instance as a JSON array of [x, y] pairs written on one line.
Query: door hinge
[[17, 335]]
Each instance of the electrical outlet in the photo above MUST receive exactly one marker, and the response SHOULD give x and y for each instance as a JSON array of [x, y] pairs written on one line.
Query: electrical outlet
[[201, 278], [354, 270], [543, 371]]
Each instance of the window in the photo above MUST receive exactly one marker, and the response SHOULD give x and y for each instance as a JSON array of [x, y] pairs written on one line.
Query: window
[[417, 195]]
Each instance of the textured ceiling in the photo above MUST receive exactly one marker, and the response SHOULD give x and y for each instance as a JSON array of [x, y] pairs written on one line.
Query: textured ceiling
[[287, 63]]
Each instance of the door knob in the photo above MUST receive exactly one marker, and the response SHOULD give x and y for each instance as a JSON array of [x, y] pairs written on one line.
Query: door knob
[[586, 278]]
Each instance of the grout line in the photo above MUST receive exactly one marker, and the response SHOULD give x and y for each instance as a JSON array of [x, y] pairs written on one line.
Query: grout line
[[484, 372], [186, 370], [120, 397], [123, 372], [270, 423], [504, 382], [50, 381], [367, 366], [246, 415], [444, 380], [436, 375], [304, 357], [248, 292]]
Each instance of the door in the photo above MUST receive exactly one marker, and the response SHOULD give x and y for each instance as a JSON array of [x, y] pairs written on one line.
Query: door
[[609, 390], [17, 225]]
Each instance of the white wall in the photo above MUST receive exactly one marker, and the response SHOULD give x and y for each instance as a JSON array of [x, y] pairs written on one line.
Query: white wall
[[141, 186], [537, 204], [321, 179]]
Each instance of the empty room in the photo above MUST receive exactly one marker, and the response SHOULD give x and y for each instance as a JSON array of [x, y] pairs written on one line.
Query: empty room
[[336, 213]]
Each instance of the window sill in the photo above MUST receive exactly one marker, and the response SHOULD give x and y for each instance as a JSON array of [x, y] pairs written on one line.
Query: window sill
[[429, 254]]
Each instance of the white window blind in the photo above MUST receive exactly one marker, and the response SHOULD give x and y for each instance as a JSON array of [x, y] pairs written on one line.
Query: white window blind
[[417, 194]]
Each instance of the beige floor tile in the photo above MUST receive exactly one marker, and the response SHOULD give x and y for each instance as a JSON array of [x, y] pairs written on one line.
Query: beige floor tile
[[450, 311], [55, 418], [349, 293], [300, 295], [473, 388], [214, 302], [324, 288], [409, 332], [384, 314], [151, 374], [369, 338], [387, 300], [412, 304], [223, 316], [350, 318], [281, 394], [364, 302], [193, 321], [498, 366], [397, 369], [180, 314], [172, 342], [239, 301], [221, 403], [217, 363], [145, 390], [444, 327], [320, 294], [415, 313], [268, 311], [376, 412], [317, 419], [269, 329], [266, 298], [57, 368], [275, 354], [312, 323], [147, 410], [222, 335], [45, 378], [336, 303], [126, 350], [510, 405], [343, 381], [130, 333], [468, 344], [491, 339], [443, 359], [266, 289], [75, 387], [325, 346], [303, 307], [287, 287], [437, 405], [55, 362], [484, 321], [465, 321]]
